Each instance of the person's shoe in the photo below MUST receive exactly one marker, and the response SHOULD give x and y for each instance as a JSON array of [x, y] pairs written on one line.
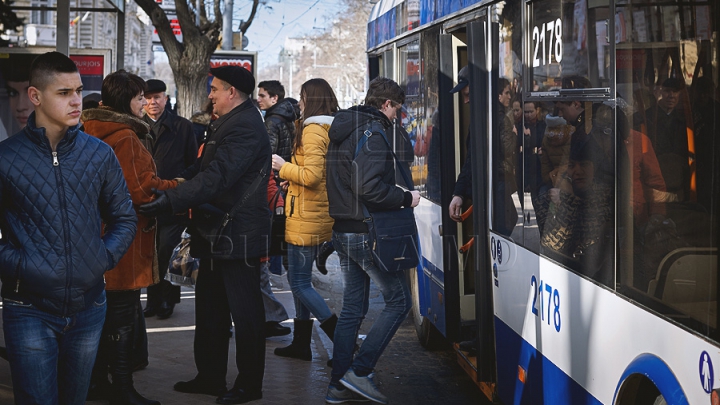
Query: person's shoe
[[165, 310], [197, 387], [238, 396], [275, 329], [364, 386], [338, 396], [149, 312], [324, 251], [129, 396], [140, 366], [99, 391]]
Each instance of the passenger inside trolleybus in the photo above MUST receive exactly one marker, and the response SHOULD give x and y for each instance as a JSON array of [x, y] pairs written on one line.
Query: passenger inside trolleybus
[[576, 215]]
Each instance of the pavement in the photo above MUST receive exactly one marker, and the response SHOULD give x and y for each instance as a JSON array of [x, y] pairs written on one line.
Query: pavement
[[406, 373]]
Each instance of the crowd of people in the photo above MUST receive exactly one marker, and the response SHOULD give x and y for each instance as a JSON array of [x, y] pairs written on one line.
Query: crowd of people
[[108, 184]]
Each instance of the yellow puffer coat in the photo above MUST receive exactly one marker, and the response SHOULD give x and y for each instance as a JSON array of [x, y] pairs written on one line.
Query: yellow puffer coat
[[306, 205]]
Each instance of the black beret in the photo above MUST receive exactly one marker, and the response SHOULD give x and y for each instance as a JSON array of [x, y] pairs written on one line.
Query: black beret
[[236, 76], [155, 86], [674, 84]]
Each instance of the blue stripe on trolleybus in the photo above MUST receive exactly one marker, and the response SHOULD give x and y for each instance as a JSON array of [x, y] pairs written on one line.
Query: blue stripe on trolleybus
[[544, 383], [433, 272]]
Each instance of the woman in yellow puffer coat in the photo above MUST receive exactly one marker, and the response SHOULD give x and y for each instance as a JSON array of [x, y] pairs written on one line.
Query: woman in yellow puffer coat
[[308, 222]]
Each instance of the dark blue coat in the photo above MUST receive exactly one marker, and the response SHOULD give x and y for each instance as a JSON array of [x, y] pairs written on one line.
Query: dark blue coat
[[52, 209]]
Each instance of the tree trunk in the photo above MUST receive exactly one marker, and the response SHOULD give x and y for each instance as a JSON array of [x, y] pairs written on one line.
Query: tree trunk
[[191, 78]]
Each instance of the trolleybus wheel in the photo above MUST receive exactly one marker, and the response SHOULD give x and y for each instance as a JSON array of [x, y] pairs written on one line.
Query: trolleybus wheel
[[428, 335]]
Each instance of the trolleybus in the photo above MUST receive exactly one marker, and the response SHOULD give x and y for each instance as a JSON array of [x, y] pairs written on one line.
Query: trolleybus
[[587, 271]]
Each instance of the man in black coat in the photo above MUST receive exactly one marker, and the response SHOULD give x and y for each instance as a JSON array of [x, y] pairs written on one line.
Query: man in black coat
[[280, 117], [233, 168], [174, 149]]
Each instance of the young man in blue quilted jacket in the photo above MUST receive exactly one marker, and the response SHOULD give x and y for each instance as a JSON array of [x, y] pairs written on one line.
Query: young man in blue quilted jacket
[[66, 217]]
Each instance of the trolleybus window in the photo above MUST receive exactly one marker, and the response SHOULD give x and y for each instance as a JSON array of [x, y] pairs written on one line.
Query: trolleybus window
[[429, 146], [505, 140], [568, 38], [412, 117], [667, 80]]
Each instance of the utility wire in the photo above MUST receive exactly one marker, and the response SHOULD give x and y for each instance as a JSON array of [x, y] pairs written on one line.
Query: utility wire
[[283, 25]]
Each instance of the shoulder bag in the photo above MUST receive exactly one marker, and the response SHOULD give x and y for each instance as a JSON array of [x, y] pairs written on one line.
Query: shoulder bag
[[210, 222], [392, 234]]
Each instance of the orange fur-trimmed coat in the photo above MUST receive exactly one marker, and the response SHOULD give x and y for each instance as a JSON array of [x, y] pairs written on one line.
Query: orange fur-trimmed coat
[[123, 132]]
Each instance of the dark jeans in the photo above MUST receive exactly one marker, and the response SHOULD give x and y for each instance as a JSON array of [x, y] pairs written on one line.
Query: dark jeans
[[358, 268], [229, 290], [51, 357], [168, 237]]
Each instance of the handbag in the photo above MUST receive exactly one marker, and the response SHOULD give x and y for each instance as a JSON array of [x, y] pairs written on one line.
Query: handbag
[[210, 222], [278, 246], [183, 268], [392, 234]]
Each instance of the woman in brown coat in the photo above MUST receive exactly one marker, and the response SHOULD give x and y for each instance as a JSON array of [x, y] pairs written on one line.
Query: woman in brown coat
[[118, 123]]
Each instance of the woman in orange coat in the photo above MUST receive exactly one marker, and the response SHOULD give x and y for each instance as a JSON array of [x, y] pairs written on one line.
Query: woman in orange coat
[[118, 123]]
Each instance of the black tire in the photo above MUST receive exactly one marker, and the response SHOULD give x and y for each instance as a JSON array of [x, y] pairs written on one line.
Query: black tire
[[428, 335]]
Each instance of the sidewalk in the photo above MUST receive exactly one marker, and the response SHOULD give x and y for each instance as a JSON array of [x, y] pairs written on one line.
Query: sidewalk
[[406, 373], [287, 381]]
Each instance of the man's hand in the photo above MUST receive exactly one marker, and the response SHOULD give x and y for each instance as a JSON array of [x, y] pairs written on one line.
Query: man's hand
[[416, 198], [456, 208], [160, 205]]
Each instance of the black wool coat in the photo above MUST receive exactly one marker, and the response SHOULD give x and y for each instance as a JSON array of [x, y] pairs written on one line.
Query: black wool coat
[[236, 149]]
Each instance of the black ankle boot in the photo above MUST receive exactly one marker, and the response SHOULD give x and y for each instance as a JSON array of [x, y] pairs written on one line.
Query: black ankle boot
[[300, 346], [98, 391], [129, 396]]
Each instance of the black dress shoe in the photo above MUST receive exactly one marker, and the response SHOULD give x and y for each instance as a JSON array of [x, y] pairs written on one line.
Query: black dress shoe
[[275, 329], [149, 312], [165, 310], [197, 387], [238, 396]]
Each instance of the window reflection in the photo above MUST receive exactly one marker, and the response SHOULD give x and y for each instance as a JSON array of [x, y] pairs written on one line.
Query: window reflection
[[667, 81]]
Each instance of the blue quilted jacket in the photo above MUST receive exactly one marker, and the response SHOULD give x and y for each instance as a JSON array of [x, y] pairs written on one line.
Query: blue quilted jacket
[[53, 251]]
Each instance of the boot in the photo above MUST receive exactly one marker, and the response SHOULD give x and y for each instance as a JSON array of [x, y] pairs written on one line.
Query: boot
[[300, 346], [328, 326], [122, 314]]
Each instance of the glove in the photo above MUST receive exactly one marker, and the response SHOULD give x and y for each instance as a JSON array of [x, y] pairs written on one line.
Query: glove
[[160, 205]]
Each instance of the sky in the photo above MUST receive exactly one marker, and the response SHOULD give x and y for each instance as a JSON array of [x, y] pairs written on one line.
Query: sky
[[281, 19]]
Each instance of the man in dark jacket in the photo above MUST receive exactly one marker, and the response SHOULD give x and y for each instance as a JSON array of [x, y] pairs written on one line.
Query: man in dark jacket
[[367, 179], [174, 149], [233, 168], [280, 117], [66, 219]]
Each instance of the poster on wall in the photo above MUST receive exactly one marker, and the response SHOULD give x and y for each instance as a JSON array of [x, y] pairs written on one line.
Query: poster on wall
[[15, 106], [247, 60]]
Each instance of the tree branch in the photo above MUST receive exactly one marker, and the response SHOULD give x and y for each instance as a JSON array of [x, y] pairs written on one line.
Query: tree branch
[[162, 25], [246, 24], [218, 14], [189, 30]]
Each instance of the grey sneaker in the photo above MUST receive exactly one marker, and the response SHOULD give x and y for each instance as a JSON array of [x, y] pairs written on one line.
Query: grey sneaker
[[363, 386], [336, 396]]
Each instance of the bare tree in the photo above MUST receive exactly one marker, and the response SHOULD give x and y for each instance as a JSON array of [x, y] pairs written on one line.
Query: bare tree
[[190, 60], [336, 55], [9, 21]]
